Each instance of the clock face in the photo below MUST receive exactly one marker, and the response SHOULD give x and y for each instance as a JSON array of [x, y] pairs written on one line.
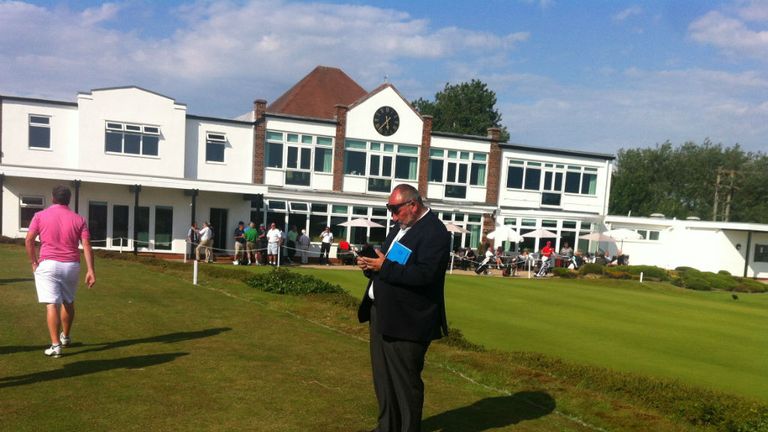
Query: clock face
[[386, 121]]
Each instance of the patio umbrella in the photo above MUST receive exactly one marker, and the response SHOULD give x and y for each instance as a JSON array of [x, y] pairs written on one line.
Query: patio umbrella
[[623, 234], [361, 222], [540, 233], [505, 233], [598, 237], [453, 228]]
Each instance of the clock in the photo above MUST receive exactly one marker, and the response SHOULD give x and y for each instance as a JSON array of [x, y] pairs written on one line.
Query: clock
[[386, 121]]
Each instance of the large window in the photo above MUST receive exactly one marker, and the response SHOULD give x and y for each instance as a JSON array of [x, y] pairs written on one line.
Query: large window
[[406, 162], [39, 132], [552, 179], [354, 157], [132, 139], [163, 227], [120, 225], [28, 206], [215, 143], [380, 162], [300, 155], [581, 180], [142, 227], [457, 169], [97, 223]]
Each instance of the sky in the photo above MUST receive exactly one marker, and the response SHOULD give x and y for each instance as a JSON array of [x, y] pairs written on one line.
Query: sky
[[585, 75]]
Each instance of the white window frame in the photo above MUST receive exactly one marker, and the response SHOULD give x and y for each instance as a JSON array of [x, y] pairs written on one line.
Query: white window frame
[[37, 124], [124, 128], [219, 139], [23, 205]]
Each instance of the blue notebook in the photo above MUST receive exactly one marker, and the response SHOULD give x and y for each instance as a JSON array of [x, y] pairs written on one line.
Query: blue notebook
[[398, 253]]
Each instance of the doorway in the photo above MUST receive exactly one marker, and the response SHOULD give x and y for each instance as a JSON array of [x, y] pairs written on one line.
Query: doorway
[[219, 225]]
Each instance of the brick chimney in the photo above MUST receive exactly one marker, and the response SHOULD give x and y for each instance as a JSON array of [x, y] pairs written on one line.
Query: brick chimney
[[494, 168], [426, 144], [338, 151], [259, 139]]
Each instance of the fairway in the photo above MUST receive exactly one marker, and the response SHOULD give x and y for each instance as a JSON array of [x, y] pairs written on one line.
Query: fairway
[[702, 338], [153, 352]]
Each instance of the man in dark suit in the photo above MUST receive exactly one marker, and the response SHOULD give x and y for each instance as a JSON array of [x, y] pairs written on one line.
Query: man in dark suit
[[405, 305]]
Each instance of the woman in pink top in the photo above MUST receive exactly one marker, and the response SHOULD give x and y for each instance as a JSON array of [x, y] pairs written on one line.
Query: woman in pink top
[[57, 269]]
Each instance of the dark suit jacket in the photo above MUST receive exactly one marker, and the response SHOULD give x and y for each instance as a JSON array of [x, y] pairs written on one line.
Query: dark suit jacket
[[410, 302]]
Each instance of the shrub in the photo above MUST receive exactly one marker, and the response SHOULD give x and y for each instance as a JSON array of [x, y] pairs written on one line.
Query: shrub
[[564, 273], [724, 272], [591, 268], [282, 281], [750, 285], [614, 273], [456, 339]]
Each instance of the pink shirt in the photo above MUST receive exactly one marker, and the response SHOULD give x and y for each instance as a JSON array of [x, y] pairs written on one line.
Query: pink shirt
[[60, 231]]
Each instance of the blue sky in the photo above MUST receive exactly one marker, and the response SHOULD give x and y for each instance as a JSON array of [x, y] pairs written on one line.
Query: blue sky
[[584, 75]]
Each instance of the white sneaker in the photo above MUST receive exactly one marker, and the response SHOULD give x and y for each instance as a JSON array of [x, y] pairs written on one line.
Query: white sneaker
[[54, 351], [65, 340], [235, 263]]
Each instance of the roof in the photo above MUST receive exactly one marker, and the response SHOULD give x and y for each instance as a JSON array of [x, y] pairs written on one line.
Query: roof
[[134, 87], [563, 152], [317, 94]]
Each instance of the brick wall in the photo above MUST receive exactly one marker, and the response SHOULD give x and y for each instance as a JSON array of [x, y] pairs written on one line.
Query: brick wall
[[426, 143], [259, 139], [494, 168], [338, 148]]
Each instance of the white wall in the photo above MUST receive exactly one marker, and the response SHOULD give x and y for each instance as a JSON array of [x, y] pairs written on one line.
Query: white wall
[[131, 105], [64, 142], [238, 152], [569, 202], [360, 119]]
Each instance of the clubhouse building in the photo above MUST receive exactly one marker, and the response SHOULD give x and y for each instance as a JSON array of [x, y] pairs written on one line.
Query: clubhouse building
[[325, 152]]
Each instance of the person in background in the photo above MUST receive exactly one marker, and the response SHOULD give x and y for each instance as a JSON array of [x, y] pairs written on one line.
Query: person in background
[[206, 241], [251, 235], [261, 252], [239, 236], [566, 250], [57, 268], [304, 242], [547, 259], [326, 238], [274, 238], [193, 238], [292, 235]]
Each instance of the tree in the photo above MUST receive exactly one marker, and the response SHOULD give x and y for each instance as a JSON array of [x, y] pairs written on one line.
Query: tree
[[466, 108], [681, 182]]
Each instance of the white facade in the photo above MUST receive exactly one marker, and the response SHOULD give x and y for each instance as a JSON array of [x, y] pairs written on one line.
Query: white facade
[[109, 142]]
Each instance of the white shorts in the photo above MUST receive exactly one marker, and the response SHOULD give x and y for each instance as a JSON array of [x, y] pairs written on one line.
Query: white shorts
[[56, 282], [272, 248]]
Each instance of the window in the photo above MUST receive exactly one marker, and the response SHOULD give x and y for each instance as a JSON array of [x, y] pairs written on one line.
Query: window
[[477, 174], [119, 225], [354, 157], [406, 162], [163, 227], [97, 223], [532, 176], [274, 150], [324, 155], [142, 227], [515, 174], [39, 132], [132, 139], [761, 253], [581, 180], [28, 206], [297, 163], [214, 147]]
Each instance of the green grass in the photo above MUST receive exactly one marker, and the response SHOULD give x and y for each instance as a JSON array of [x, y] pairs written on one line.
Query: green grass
[[701, 338], [153, 352]]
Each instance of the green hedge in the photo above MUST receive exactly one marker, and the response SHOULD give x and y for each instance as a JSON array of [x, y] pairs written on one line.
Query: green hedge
[[564, 273], [282, 281], [591, 268], [706, 281]]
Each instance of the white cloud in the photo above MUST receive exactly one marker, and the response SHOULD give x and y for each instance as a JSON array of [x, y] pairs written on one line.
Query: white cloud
[[54, 52], [627, 13], [649, 108], [733, 35]]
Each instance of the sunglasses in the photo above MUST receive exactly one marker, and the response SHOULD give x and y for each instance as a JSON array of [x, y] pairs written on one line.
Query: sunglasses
[[394, 208]]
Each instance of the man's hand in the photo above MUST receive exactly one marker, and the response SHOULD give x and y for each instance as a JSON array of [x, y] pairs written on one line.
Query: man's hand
[[34, 266], [373, 264], [90, 279]]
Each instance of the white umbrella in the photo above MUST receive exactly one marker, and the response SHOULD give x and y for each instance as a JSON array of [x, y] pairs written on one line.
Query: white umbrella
[[453, 228], [361, 222], [505, 233], [598, 237], [540, 233], [623, 234]]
